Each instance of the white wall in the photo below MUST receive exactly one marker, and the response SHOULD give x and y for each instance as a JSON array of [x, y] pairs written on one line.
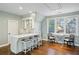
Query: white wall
[[37, 27], [4, 17], [44, 29]]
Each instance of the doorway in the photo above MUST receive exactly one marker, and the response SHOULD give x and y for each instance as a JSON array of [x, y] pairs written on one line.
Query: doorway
[[12, 28]]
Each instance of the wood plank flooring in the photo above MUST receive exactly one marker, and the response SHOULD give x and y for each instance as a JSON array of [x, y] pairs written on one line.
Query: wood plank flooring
[[45, 49]]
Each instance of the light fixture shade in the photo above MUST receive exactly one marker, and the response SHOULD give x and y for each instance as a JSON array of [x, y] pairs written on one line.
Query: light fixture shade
[[20, 7]]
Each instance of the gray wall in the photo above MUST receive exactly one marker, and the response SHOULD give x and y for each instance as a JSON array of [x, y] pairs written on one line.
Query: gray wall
[[4, 17]]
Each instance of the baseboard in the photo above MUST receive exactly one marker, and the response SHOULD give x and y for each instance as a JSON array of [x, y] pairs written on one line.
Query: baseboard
[[4, 45], [77, 45], [44, 39]]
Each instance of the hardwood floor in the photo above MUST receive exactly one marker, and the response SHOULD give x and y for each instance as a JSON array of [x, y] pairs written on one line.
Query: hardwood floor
[[46, 49]]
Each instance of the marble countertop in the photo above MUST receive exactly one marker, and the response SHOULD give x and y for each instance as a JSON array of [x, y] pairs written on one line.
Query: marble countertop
[[25, 35]]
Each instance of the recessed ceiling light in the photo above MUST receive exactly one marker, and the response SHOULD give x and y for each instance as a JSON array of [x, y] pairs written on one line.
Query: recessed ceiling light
[[21, 8]]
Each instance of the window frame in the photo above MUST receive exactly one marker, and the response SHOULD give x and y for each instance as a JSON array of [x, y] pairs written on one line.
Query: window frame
[[65, 17]]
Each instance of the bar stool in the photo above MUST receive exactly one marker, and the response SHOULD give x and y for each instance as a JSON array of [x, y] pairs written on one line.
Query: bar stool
[[70, 40], [26, 45], [51, 38], [35, 41], [32, 42], [39, 41]]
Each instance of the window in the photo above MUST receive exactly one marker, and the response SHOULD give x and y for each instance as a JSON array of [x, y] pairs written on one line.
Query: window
[[71, 25], [60, 25], [52, 25], [65, 25]]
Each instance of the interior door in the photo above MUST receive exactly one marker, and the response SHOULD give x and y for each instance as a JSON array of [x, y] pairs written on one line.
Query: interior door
[[12, 28]]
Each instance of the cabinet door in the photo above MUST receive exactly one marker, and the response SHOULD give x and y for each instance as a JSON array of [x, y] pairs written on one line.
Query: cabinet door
[[27, 25]]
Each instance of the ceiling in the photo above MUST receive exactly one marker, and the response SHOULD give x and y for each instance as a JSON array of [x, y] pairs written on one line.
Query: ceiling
[[46, 9]]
